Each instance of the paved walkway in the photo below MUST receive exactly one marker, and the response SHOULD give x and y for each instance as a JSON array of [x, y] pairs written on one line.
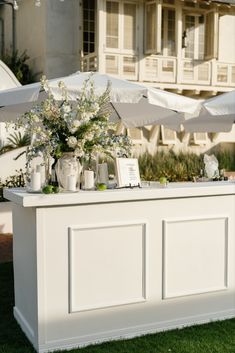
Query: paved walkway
[[5, 248]]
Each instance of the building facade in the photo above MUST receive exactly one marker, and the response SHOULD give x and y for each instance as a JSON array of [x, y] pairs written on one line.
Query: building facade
[[186, 47], [171, 44]]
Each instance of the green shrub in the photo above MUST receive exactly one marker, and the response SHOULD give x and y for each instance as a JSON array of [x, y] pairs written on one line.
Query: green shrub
[[226, 160], [15, 140], [175, 167], [13, 181], [17, 63]]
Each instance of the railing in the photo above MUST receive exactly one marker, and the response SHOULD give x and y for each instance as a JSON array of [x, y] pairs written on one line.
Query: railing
[[161, 69], [195, 71], [89, 62], [224, 74], [123, 65]]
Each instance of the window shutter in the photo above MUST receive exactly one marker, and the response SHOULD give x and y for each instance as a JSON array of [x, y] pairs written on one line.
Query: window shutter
[[211, 35], [153, 14], [129, 11], [112, 29]]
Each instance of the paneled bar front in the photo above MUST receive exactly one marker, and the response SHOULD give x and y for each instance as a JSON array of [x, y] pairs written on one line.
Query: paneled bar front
[[96, 266]]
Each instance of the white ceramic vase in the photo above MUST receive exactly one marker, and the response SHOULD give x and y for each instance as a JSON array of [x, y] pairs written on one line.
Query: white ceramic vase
[[68, 171]]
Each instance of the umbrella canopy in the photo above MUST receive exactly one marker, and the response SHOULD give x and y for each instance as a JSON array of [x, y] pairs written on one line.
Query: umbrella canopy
[[207, 122], [217, 115], [136, 104], [8, 79], [223, 104]]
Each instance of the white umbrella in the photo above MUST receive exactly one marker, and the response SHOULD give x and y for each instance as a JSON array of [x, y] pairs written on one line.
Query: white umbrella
[[206, 122], [145, 105], [223, 104], [8, 79], [217, 115]]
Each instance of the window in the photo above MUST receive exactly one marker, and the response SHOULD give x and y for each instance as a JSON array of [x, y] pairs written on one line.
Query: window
[[88, 26], [151, 28], [112, 26], [129, 14], [195, 36], [168, 136], [200, 138], [201, 39], [121, 25], [211, 34], [190, 23], [168, 32], [160, 32], [136, 135], [201, 35]]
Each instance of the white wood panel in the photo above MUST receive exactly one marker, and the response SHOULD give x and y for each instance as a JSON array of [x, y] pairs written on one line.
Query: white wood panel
[[48, 281], [194, 256], [107, 265]]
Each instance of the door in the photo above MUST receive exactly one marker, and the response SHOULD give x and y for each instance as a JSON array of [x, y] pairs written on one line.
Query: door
[[194, 33]]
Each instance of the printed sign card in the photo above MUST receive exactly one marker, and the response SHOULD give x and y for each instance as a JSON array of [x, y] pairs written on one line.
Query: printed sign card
[[127, 172]]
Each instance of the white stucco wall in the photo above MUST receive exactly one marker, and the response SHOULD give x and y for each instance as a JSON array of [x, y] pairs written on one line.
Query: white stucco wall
[[226, 38], [50, 34], [31, 27], [8, 164], [62, 41], [6, 15]]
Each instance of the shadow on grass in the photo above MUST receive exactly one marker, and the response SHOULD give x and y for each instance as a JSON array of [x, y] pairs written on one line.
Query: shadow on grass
[[12, 340], [216, 337]]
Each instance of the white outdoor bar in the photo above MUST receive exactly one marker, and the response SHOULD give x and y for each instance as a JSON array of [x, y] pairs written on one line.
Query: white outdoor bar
[[95, 266]]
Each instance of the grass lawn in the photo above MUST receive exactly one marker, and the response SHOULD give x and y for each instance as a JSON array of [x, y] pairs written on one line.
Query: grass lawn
[[217, 337]]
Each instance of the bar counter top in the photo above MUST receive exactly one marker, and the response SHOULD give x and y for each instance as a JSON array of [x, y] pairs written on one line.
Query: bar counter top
[[154, 191]]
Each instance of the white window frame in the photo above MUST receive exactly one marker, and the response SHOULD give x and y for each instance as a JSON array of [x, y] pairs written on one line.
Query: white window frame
[[200, 141], [121, 49], [165, 50], [157, 47], [135, 141], [215, 34], [81, 18], [196, 33], [112, 50], [165, 140]]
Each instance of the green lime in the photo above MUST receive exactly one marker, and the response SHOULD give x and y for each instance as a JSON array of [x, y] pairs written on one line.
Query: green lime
[[101, 187], [48, 189], [56, 189], [163, 180]]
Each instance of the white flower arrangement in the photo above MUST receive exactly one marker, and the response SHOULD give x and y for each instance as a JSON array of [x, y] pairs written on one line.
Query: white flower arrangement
[[81, 127]]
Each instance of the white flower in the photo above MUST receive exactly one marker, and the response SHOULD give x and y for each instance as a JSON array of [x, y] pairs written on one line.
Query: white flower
[[35, 118], [85, 116], [94, 107], [78, 152], [89, 136], [76, 124], [72, 142], [66, 108]]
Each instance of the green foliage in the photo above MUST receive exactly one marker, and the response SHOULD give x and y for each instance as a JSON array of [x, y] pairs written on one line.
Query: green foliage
[[17, 63], [175, 167], [13, 181], [6, 148], [16, 140], [181, 166], [226, 160]]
